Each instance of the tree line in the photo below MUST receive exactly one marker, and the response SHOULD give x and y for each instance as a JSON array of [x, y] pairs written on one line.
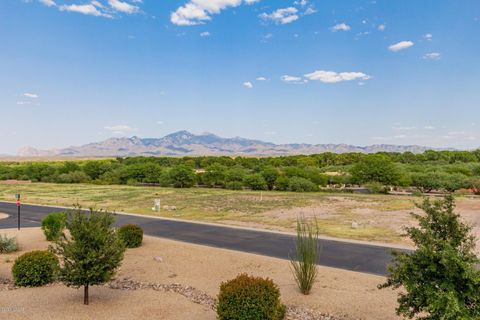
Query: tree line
[[428, 171]]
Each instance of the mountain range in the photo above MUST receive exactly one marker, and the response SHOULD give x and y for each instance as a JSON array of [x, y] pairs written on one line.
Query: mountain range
[[184, 143]]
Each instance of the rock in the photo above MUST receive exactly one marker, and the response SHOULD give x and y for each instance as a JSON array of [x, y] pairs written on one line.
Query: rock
[[158, 259], [354, 225]]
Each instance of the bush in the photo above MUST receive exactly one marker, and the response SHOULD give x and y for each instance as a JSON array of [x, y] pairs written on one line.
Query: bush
[[7, 244], [304, 265], [35, 268], [255, 182], [249, 298], [298, 184], [131, 235], [234, 185], [53, 225], [376, 187]]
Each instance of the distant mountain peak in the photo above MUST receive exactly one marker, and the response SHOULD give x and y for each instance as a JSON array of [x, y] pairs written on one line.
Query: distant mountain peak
[[183, 143]]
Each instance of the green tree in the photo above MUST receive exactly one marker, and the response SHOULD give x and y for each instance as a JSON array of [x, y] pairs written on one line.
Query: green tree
[[376, 168], [255, 182], [91, 252], [270, 174], [439, 280], [182, 176], [214, 175]]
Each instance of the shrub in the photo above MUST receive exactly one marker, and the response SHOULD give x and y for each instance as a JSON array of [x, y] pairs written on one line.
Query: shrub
[[234, 185], [35, 268], [282, 183], [53, 225], [249, 298], [440, 279], [7, 244], [376, 187], [255, 182], [298, 184], [304, 265], [131, 235]]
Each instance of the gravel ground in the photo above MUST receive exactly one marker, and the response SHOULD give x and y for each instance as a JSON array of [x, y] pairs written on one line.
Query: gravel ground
[[176, 280]]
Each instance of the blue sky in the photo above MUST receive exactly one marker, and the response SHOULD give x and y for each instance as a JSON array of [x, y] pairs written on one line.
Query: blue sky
[[356, 72]]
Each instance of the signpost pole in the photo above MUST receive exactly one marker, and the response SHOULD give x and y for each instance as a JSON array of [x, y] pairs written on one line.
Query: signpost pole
[[18, 207]]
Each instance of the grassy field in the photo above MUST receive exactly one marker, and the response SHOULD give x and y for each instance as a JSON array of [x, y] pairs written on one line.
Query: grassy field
[[380, 217]]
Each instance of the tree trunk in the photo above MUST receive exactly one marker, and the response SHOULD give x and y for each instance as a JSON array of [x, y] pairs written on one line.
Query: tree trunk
[[85, 294]]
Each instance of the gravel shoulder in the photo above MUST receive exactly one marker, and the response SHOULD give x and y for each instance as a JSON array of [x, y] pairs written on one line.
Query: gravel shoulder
[[158, 279]]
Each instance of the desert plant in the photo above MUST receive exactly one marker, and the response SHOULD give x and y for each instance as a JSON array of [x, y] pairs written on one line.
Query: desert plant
[[8, 244], [92, 252], [53, 225], [131, 235], [440, 279], [249, 298], [304, 264], [35, 268]]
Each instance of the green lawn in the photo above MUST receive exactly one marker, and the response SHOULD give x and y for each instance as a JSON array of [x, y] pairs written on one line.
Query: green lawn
[[250, 208]]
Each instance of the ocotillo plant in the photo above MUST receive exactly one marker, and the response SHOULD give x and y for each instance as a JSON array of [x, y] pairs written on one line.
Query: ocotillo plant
[[304, 263]]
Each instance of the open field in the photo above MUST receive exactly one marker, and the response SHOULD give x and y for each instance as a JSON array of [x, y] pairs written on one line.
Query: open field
[[337, 292], [380, 218]]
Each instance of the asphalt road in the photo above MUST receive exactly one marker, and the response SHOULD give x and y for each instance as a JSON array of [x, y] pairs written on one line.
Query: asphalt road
[[344, 255]]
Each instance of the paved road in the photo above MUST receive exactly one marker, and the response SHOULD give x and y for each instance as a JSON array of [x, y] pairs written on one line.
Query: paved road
[[337, 254]]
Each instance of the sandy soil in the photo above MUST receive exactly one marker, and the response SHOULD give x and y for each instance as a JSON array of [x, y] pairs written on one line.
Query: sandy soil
[[338, 292], [3, 215]]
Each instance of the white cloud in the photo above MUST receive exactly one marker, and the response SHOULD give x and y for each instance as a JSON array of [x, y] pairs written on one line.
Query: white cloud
[[334, 77], [267, 36], [30, 95], [21, 103], [123, 6], [428, 36], [302, 3], [205, 34], [340, 27], [281, 16], [431, 56], [87, 9], [48, 3], [400, 46], [429, 128], [291, 79], [248, 85], [404, 128], [199, 11], [309, 10], [120, 129], [261, 79], [381, 27]]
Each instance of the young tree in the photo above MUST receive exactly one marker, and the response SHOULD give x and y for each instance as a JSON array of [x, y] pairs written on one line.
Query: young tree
[[440, 278], [92, 252]]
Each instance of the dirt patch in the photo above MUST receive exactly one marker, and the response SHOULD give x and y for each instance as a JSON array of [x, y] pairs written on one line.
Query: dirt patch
[[336, 292], [3, 215]]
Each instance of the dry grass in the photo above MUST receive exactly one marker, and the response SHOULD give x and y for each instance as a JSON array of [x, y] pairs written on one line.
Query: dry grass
[[380, 217]]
